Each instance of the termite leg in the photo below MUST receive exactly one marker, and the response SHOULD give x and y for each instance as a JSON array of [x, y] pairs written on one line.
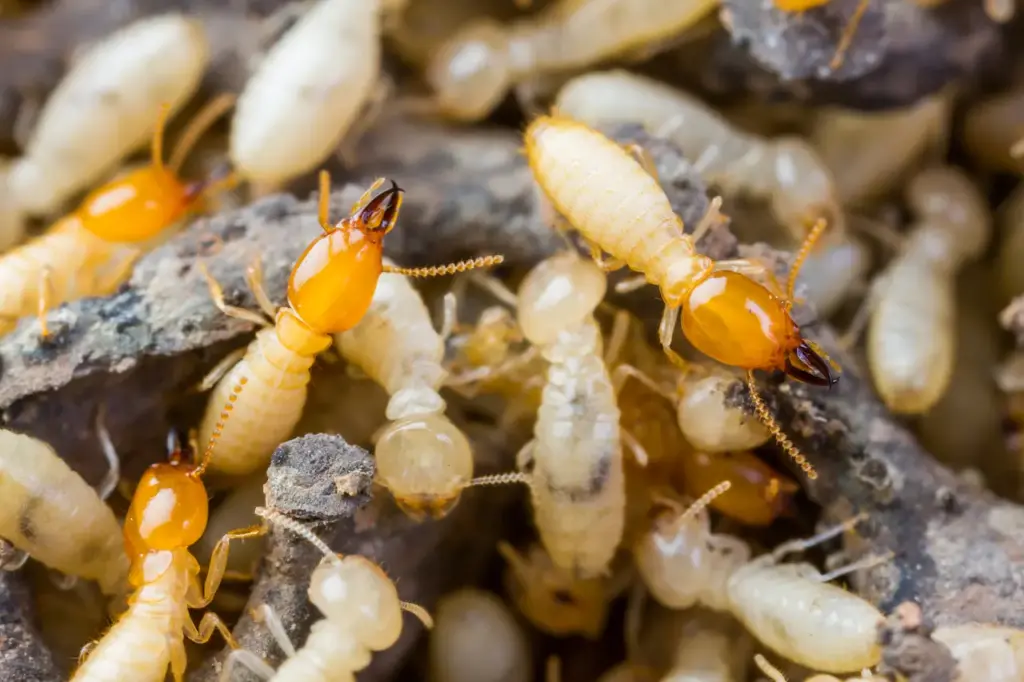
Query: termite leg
[[711, 218], [617, 339], [631, 284], [247, 659], [524, 458], [449, 317], [634, 446], [217, 294], [209, 624], [802, 544], [113, 475], [768, 669], [608, 264], [495, 288], [268, 616], [421, 614], [643, 157], [848, 33], [666, 330], [219, 370], [557, 221], [112, 281], [623, 372], [179, 659], [45, 298], [218, 562], [861, 564], [754, 269], [254, 278]]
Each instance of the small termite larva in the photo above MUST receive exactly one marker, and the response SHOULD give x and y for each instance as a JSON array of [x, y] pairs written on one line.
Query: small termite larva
[[786, 170], [329, 291], [477, 639], [53, 515], [474, 69], [106, 107], [985, 652], [775, 675], [362, 614], [912, 327], [92, 251], [619, 209], [422, 457], [307, 92], [791, 608], [168, 513]]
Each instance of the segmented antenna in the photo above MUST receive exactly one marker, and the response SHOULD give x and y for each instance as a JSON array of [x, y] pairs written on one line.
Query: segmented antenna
[[448, 269], [702, 502], [218, 429], [805, 250], [499, 479], [294, 526], [773, 426]]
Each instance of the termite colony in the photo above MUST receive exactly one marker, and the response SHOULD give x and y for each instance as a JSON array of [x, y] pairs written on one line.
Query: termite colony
[[648, 405]]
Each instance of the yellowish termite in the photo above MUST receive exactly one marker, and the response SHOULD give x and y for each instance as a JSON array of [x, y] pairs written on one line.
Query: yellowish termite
[[107, 106]]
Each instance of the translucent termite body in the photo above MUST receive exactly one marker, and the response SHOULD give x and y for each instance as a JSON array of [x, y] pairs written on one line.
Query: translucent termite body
[[477, 639], [168, 513], [911, 333], [787, 607], [308, 92], [362, 614], [785, 170], [107, 106], [329, 291], [53, 515], [422, 457], [474, 69], [91, 251]]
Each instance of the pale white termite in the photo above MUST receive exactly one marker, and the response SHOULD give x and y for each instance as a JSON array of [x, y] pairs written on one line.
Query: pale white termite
[[790, 608], [785, 170], [477, 639], [474, 69], [985, 652], [307, 92], [911, 333], [362, 614], [107, 106], [51, 514], [422, 457]]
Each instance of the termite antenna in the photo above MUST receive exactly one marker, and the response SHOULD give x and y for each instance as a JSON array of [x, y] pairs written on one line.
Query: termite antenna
[[805, 250], [218, 428], [702, 502], [768, 669], [421, 613], [276, 517], [862, 564], [499, 479], [448, 269], [199, 124], [773, 427], [848, 33]]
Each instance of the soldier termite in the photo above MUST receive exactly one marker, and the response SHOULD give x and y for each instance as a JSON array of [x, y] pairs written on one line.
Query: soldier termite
[[619, 209], [911, 330], [308, 92], [51, 514], [329, 291], [362, 614], [106, 106], [477, 639], [168, 513], [91, 251], [791, 608], [474, 69]]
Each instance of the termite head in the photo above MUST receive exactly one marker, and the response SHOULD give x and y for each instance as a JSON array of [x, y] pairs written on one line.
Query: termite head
[[355, 593], [559, 293], [805, 362], [470, 73], [426, 462], [378, 216]]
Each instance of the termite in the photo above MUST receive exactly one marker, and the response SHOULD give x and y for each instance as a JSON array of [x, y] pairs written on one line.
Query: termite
[[985, 652], [477, 639], [422, 457], [616, 204], [471, 73], [362, 614], [775, 675], [785, 170], [92, 251], [790, 608], [911, 333], [307, 92], [168, 513], [330, 289], [105, 107], [51, 514]]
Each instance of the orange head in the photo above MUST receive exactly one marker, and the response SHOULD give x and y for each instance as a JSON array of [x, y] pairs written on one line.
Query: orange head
[[333, 281], [736, 321]]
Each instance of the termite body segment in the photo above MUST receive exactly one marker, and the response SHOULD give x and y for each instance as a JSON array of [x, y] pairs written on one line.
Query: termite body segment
[[307, 92], [49, 512], [107, 106], [911, 334], [473, 71], [422, 458], [786, 171]]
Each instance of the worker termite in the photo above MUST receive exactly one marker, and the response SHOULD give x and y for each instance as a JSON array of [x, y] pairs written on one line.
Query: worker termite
[[422, 458], [106, 106], [168, 513], [911, 331], [51, 514], [91, 251], [786, 170], [477, 639], [619, 209], [773, 673], [329, 291], [362, 614], [473, 70], [791, 608], [308, 92]]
